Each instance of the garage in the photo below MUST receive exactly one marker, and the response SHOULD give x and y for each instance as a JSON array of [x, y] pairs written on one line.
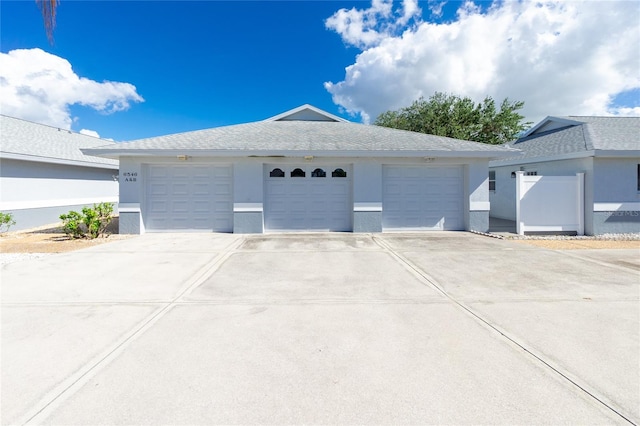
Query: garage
[[308, 197], [303, 170], [422, 198], [189, 197]]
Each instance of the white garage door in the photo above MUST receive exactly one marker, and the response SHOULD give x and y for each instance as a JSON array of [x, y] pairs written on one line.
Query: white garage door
[[422, 198], [307, 198], [189, 197]]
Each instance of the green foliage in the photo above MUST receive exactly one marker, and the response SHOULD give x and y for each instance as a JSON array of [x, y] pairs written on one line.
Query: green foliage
[[91, 223], [72, 224], [97, 219], [455, 117], [6, 221]]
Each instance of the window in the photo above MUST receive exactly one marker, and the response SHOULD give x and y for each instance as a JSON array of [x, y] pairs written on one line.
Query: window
[[298, 173], [276, 173], [492, 180], [339, 173], [531, 173], [318, 173]]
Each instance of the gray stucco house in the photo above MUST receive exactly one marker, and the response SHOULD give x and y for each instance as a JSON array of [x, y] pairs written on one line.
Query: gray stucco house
[[605, 149], [302, 170], [43, 172]]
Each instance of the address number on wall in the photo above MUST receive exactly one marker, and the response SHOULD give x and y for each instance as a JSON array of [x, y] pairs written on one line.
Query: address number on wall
[[130, 176]]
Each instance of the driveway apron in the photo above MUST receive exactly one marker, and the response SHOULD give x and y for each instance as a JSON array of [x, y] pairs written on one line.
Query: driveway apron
[[330, 328]]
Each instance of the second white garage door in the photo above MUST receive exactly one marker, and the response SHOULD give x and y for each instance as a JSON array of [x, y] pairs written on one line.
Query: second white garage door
[[189, 197], [307, 198], [422, 198]]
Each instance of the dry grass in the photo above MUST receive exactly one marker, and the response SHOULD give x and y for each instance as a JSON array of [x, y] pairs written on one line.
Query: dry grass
[[51, 239], [581, 244]]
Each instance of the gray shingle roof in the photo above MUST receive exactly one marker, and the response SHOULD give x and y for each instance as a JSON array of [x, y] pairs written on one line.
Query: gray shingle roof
[[38, 142], [595, 133], [303, 136]]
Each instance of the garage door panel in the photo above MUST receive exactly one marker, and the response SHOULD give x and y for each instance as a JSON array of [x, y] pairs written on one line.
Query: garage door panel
[[422, 197], [185, 197], [307, 203]]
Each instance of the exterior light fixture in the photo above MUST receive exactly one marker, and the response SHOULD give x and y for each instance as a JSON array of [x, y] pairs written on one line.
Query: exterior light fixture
[[308, 157], [183, 157]]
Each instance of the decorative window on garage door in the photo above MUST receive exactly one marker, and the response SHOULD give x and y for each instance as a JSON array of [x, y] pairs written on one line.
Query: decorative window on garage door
[[340, 173], [318, 173], [298, 173], [276, 173]]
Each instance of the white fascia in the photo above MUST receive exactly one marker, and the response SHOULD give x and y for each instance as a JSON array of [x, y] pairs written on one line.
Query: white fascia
[[517, 162], [50, 160], [548, 119], [296, 154]]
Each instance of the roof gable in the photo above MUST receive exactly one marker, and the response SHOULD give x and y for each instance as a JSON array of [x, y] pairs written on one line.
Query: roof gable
[[559, 137], [551, 123], [306, 112]]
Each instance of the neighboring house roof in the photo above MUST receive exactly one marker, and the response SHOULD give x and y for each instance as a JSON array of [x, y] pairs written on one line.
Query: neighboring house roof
[[556, 138], [24, 140], [303, 130]]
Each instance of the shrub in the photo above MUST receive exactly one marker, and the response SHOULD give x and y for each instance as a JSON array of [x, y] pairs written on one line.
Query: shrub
[[91, 223], [97, 219], [6, 221], [72, 224]]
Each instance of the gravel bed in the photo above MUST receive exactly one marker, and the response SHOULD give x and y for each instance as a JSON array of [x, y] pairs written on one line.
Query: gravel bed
[[16, 257], [603, 237]]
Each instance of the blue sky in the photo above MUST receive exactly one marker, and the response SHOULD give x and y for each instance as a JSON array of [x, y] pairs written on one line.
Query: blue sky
[[181, 66]]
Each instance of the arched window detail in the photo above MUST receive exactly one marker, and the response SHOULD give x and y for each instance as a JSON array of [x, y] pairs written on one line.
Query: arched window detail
[[276, 173], [318, 173], [298, 173], [338, 173]]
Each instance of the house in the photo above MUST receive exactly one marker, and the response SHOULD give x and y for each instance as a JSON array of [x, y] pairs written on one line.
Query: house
[[43, 173], [605, 149], [302, 170]]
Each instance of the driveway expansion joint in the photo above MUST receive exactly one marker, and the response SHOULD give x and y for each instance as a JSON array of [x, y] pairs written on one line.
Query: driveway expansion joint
[[533, 354]]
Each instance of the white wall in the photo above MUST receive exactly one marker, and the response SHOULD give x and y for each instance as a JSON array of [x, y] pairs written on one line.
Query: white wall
[[249, 176], [616, 180], [32, 185], [503, 199]]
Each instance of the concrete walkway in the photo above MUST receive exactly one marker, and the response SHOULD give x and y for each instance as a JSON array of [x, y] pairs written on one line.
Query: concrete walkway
[[427, 328]]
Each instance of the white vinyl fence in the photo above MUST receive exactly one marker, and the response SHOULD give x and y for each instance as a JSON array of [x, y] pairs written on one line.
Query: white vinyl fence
[[549, 203]]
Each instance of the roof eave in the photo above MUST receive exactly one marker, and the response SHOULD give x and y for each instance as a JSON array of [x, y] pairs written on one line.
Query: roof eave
[[62, 161], [616, 153], [299, 153]]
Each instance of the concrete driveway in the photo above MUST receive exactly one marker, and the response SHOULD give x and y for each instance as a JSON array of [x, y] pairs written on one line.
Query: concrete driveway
[[427, 328]]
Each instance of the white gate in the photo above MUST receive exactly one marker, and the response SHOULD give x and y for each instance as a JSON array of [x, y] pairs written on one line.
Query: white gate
[[549, 203]]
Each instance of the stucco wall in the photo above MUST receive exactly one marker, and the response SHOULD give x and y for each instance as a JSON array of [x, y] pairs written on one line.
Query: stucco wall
[[616, 180], [248, 188], [503, 199], [37, 193], [616, 202]]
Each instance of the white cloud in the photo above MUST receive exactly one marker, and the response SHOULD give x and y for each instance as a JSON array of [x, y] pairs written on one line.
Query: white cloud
[[561, 58], [367, 27], [89, 133], [40, 87]]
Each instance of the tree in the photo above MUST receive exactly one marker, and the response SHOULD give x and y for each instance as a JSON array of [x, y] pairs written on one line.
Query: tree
[[450, 115], [48, 9]]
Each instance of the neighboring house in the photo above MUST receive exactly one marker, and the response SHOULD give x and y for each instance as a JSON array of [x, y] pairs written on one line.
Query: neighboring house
[[605, 149], [303, 170], [43, 173]]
